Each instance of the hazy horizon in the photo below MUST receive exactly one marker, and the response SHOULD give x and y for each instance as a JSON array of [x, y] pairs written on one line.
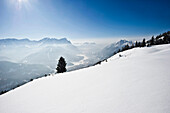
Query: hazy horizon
[[83, 19]]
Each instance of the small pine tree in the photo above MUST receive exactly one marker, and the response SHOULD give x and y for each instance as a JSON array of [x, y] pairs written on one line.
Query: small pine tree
[[132, 45], [118, 51], [61, 67], [139, 44], [136, 44], [143, 43], [152, 40], [127, 47]]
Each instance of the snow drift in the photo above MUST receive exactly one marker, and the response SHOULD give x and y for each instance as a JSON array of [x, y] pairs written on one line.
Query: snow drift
[[139, 81]]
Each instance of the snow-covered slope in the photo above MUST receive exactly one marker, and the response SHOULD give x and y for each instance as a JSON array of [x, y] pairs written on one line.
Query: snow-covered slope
[[137, 82], [109, 50]]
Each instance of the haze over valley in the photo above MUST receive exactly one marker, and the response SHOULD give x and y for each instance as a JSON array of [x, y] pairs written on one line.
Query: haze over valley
[[22, 59]]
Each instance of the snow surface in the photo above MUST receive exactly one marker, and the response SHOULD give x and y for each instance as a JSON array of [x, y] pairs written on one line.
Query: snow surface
[[137, 82]]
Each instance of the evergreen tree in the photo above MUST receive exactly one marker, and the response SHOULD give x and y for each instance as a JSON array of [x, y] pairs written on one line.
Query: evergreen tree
[[139, 44], [132, 45], [152, 41], [127, 47], [118, 51], [61, 67], [143, 43], [136, 44]]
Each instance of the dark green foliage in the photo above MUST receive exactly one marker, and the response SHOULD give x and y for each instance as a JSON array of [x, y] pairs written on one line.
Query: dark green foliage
[[159, 36], [119, 51], [45, 75], [139, 44], [143, 43], [152, 40], [99, 62], [125, 48], [2, 92], [136, 44], [61, 67], [132, 46], [160, 39]]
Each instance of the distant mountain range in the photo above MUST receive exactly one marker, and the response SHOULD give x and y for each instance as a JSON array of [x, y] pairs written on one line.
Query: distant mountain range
[[12, 41], [24, 59]]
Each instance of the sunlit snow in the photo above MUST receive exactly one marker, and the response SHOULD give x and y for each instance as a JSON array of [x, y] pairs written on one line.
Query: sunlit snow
[[139, 81]]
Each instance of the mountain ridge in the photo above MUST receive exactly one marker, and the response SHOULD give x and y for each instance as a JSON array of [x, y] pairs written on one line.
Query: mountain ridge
[[46, 40]]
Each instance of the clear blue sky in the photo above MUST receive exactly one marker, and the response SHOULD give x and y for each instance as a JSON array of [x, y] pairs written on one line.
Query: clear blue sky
[[78, 19]]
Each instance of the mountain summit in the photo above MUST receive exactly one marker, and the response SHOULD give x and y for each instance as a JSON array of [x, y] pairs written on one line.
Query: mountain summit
[[13, 41], [54, 41]]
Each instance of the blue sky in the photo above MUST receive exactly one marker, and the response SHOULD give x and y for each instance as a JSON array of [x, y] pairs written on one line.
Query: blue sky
[[81, 19]]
